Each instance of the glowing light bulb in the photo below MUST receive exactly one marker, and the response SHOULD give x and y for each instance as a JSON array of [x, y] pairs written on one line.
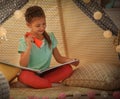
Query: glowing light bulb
[[18, 14], [97, 15], [3, 33], [118, 48], [107, 34], [86, 1]]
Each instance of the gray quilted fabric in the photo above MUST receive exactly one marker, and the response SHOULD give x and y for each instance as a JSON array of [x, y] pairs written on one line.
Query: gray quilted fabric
[[4, 87]]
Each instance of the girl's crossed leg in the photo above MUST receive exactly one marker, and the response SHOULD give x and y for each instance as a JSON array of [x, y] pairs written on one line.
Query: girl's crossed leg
[[45, 81]]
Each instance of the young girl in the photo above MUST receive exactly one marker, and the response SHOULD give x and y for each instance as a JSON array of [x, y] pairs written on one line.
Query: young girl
[[36, 49]]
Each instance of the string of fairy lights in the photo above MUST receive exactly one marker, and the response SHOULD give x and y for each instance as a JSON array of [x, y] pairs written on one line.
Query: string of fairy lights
[[99, 17]]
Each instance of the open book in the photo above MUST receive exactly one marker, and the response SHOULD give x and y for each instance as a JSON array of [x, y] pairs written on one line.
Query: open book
[[39, 71]]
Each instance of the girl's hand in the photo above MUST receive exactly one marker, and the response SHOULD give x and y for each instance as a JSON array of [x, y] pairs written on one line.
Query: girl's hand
[[29, 40], [76, 63]]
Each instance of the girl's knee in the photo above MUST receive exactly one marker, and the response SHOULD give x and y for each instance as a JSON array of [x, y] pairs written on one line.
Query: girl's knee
[[68, 68]]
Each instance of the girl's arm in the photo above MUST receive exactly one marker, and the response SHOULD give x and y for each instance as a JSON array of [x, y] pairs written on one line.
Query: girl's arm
[[25, 56], [62, 59]]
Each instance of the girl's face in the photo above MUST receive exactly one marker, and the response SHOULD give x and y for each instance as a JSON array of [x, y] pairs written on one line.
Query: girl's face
[[37, 25]]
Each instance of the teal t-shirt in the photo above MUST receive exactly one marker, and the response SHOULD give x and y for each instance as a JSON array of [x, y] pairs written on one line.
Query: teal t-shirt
[[40, 58]]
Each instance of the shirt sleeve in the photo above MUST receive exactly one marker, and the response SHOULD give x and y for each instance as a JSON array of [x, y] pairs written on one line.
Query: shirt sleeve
[[22, 45], [54, 40]]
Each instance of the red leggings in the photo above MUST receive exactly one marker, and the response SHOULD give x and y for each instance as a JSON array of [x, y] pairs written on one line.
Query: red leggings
[[45, 81]]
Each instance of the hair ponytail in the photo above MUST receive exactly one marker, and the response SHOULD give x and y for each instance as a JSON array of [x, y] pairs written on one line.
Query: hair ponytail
[[47, 37]]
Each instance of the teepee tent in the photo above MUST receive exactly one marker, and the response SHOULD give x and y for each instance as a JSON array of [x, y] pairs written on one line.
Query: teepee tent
[[77, 34], [80, 33]]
